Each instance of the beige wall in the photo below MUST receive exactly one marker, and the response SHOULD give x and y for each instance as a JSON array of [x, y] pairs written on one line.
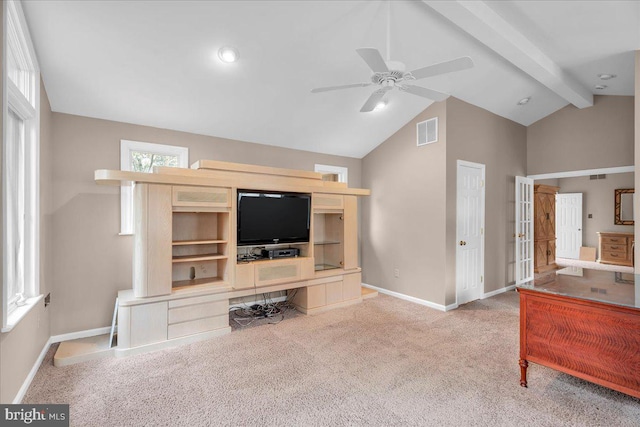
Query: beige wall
[[20, 348], [597, 199], [478, 136], [403, 219], [91, 262], [409, 222], [577, 139]]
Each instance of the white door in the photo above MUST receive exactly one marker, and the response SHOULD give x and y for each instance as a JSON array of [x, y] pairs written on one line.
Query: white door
[[470, 232], [568, 225], [524, 229]]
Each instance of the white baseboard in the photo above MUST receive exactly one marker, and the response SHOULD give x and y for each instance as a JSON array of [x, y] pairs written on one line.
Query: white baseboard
[[32, 373], [80, 334], [432, 304], [412, 299], [498, 291]]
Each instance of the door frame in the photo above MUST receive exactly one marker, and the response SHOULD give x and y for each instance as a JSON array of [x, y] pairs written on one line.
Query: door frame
[[580, 218], [482, 168]]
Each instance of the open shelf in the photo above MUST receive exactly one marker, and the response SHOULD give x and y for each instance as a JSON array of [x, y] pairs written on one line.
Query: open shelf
[[202, 257], [195, 282], [325, 267], [197, 242], [328, 240], [200, 248]]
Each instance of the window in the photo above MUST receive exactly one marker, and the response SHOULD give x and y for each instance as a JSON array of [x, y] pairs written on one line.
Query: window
[[340, 173], [138, 156], [20, 169]]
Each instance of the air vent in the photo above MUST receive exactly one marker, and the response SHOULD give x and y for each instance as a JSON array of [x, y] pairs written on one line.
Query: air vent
[[428, 131], [601, 176]]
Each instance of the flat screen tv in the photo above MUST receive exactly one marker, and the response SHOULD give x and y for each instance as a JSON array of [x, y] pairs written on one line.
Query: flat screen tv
[[270, 217]]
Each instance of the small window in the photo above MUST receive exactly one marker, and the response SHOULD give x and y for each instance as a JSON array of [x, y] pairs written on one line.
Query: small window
[[333, 173], [136, 156]]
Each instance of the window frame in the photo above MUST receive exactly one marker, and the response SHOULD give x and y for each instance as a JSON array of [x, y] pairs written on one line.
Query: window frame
[[26, 107], [126, 191], [341, 171]]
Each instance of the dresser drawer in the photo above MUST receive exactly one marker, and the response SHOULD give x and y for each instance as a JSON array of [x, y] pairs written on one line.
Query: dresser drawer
[[614, 247], [613, 256], [614, 240]]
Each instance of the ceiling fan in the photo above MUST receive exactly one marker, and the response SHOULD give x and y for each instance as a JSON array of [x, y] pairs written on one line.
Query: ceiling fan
[[392, 74]]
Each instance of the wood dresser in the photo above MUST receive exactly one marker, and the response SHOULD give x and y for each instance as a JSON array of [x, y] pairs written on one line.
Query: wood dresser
[[615, 248], [587, 326]]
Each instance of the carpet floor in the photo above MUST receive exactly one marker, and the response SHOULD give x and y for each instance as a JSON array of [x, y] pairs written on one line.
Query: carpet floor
[[385, 362]]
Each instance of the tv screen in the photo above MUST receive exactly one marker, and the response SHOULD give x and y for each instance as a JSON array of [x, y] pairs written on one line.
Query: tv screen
[[269, 218]]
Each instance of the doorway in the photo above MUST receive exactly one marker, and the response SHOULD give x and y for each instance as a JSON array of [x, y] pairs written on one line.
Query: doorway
[[470, 204]]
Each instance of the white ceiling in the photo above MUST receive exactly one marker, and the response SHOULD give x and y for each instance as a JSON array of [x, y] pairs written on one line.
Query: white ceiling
[[154, 62]]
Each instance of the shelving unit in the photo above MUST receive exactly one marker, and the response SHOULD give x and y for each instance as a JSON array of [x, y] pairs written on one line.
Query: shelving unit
[[185, 267], [328, 240], [200, 248]]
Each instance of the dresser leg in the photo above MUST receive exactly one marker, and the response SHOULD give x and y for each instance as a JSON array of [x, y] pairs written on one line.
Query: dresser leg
[[523, 372]]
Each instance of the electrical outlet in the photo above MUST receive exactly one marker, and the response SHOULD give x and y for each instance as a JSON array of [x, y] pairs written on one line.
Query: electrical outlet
[[590, 216], [396, 273]]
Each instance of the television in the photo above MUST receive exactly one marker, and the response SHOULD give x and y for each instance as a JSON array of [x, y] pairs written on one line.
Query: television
[[272, 217]]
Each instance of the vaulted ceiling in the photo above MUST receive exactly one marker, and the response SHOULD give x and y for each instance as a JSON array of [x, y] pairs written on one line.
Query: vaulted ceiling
[[155, 62]]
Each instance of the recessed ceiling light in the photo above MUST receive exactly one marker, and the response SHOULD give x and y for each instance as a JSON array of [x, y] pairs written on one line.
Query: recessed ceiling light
[[607, 76], [228, 54], [600, 87], [524, 100], [380, 105]]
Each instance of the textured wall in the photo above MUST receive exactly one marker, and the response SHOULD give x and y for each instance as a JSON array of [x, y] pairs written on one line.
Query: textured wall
[[478, 136], [91, 261], [577, 139]]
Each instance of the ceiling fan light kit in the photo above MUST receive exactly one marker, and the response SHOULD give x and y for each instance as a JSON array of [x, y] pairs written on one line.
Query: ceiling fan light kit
[[228, 54], [391, 74]]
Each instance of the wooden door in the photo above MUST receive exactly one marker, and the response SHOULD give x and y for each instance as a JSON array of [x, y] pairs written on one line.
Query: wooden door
[[470, 232]]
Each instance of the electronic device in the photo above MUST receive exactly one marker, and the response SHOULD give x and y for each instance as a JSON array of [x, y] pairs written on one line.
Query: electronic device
[[280, 253], [266, 218]]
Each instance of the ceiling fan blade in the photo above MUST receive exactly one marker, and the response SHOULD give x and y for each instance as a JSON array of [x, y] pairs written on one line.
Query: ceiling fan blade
[[374, 99], [328, 88], [443, 67], [373, 59], [434, 95]]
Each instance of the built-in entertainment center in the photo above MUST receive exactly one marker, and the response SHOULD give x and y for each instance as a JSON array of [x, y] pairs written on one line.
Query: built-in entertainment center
[[224, 230]]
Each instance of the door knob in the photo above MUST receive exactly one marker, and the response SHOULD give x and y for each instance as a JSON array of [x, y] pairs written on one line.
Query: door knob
[[462, 243]]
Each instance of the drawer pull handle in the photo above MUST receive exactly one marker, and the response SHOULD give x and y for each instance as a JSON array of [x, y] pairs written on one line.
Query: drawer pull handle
[[613, 240], [614, 255], [614, 247]]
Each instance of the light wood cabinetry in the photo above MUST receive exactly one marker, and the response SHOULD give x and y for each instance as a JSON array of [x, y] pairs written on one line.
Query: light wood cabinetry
[[616, 248], [544, 210], [185, 253], [152, 240], [200, 254], [327, 293]]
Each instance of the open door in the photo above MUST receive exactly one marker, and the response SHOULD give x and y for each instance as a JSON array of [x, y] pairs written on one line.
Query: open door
[[524, 229]]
